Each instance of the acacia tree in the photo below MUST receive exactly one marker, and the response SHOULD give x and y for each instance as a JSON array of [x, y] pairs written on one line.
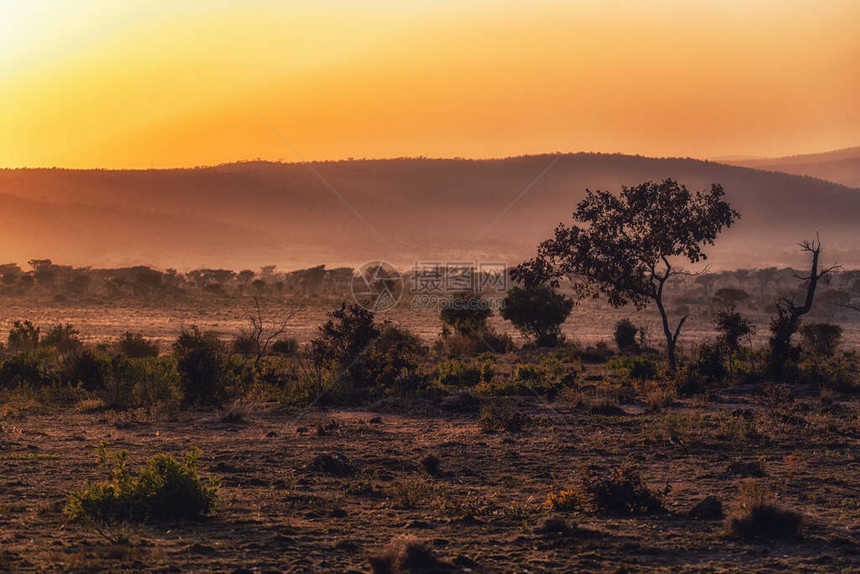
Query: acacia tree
[[625, 246]]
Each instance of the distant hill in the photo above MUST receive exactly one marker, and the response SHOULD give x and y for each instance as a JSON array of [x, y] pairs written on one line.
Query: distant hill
[[840, 166], [256, 213]]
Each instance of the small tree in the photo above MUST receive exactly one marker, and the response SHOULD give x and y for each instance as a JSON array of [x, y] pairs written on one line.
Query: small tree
[[537, 312], [344, 340], [625, 335], [625, 247], [732, 328], [787, 321]]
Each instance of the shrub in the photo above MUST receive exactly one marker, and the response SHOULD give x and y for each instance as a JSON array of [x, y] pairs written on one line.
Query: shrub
[[528, 380], [343, 341], [732, 328], [430, 464], [554, 525], [638, 367], [405, 555], [410, 494], [89, 369], [285, 347], [710, 362], [23, 336], [563, 500], [459, 374], [165, 489], [156, 384], [392, 361], [21, 369], [625, 335], [201, 366], [537, 312], [136, 346], [466, 313], [821, 338], [758, 517], [621, 492], [63, 339]]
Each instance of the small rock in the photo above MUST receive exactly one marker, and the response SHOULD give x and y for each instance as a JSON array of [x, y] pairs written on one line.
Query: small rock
[[709, 508]]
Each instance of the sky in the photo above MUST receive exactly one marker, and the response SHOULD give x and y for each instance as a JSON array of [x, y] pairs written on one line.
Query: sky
[[139, 84]]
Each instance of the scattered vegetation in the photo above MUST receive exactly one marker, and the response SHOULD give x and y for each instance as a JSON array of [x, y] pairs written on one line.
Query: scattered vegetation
[[165, 489]]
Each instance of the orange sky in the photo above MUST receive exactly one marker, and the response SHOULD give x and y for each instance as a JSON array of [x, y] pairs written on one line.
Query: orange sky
[[140, 83]]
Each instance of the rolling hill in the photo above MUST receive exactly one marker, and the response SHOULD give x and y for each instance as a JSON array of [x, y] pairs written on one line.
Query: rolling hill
[[840, 166], [256, 213]]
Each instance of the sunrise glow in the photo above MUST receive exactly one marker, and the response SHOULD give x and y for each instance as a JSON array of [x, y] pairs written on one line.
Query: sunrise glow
[[135, 84]]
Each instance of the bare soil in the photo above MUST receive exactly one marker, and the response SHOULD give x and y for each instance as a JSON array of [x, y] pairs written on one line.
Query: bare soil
[[281, 513]]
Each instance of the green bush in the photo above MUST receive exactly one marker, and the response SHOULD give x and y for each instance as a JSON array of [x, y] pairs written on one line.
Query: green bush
[[457, 374], [165, 489]]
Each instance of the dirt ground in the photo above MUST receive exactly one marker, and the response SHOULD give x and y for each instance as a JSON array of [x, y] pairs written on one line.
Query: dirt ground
[[279, 512]]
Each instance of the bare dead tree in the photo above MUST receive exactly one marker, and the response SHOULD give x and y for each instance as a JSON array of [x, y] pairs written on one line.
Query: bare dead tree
[[260, 336], [787, 321]]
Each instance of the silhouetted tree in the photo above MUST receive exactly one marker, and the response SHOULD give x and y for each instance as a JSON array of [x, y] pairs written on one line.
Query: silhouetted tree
[[626, 243], [787, 321], [537, 312]]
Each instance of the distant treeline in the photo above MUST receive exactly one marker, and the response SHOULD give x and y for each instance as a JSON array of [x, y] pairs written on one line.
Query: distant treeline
[[751, 289]]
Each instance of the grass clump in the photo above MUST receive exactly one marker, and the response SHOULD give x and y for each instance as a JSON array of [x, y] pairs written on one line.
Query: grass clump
[[499, 416], [759, 517], [165, 489], [406, 554]]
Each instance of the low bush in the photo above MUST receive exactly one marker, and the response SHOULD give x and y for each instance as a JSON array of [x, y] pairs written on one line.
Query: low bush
[[620, 492], [636, 367], [286, 347], [165, 489], [821, 338], [758, 517], [455, 373], [21, 369], [406, 555], [136, 346], [500, 416], [563, 500]]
